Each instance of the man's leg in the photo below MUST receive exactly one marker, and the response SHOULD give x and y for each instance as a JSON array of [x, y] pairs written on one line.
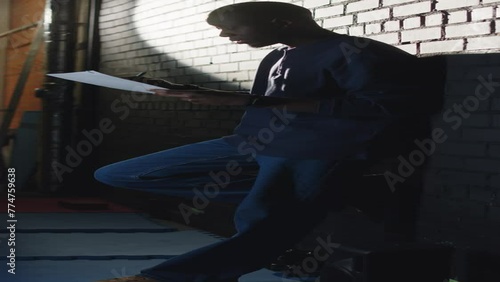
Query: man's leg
[[180, 168], [288, 199]]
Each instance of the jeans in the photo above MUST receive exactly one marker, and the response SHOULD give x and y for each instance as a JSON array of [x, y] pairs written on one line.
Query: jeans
[[289, 197]]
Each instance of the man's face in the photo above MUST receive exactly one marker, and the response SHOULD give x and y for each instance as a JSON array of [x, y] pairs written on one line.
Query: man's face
[[253, 35]]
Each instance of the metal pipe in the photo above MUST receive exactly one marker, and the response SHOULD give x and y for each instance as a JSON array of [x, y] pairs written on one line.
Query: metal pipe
[[57, 97]]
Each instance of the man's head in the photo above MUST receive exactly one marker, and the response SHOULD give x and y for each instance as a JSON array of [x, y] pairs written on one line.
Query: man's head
[[260, 24]]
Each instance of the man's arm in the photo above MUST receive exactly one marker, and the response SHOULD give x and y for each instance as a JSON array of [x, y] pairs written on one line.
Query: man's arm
[[202, 95], [315, 106]]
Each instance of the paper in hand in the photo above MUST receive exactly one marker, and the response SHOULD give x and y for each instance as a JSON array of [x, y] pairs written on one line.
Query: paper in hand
[[104, 80]]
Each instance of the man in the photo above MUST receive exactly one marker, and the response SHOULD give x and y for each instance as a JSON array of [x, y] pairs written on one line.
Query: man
[[322, 109]]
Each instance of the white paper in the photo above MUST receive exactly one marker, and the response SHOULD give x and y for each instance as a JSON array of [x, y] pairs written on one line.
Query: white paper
[[100, 79]]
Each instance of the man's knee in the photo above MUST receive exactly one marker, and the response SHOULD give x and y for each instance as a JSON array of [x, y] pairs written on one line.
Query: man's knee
[[105, 175]]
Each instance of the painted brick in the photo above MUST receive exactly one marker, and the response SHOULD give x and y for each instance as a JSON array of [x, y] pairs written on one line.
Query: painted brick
[[478, 120], [494, 152], [207, 7], [229, 67], [412, 9], [462, 177], [482, 13], [432, 20], [441, 46], [496, 104], [328, 12], [389, 38], [373, 15], [201, 61], [362, 5], [392, 26], [259, 54], [440, 161], [486, 165], [494, 214], [250, 65], [342, 30], [452, 4], [356, 30], [409, 48], [238, 76], [315, 3], [475, 134], [412, 23], [339, 21], [220, 59], [421, 34], [463, 149], [236, 57], [457, 17], [210, 68], [373, 28], [468, 29], [396, 2], [246, 85]]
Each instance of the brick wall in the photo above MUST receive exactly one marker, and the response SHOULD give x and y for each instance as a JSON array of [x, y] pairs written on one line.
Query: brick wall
[[173, 41]]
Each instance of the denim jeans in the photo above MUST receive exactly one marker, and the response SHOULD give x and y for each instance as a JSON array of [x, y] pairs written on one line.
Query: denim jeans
[[289, 197]]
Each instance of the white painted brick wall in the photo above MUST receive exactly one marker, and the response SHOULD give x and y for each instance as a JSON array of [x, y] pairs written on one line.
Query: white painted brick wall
[[361, 5], [389, 38], [409, 48], [373, 15], [412, 9], [462, 30], [339, 21], [392, 26], [373, 28], [329, 11], [484, 43], [315, 3], [396, 2], [433, 20], [421, 34], [412, 23], [441, 46], [452, 4], [356, 30], [482, 13], [457, 17], [342, 30]]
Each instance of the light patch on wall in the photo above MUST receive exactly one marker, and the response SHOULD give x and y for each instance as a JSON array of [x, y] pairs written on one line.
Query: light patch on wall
[[179, 29]]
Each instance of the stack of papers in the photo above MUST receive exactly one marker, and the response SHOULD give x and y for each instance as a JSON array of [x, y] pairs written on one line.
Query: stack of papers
[[104, 80]]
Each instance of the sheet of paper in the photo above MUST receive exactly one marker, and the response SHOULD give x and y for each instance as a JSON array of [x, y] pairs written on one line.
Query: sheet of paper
[[104, 80]]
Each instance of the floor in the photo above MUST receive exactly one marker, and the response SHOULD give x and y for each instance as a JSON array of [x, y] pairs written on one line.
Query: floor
[[56, 243]]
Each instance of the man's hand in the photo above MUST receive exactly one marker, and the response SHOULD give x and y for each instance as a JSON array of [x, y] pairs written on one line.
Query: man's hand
[[206, 97]]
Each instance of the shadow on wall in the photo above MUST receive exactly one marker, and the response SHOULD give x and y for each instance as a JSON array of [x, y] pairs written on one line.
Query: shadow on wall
[[461, 188]]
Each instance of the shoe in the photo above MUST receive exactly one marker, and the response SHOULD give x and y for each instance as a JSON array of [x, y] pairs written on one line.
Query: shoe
[[129, 279]]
